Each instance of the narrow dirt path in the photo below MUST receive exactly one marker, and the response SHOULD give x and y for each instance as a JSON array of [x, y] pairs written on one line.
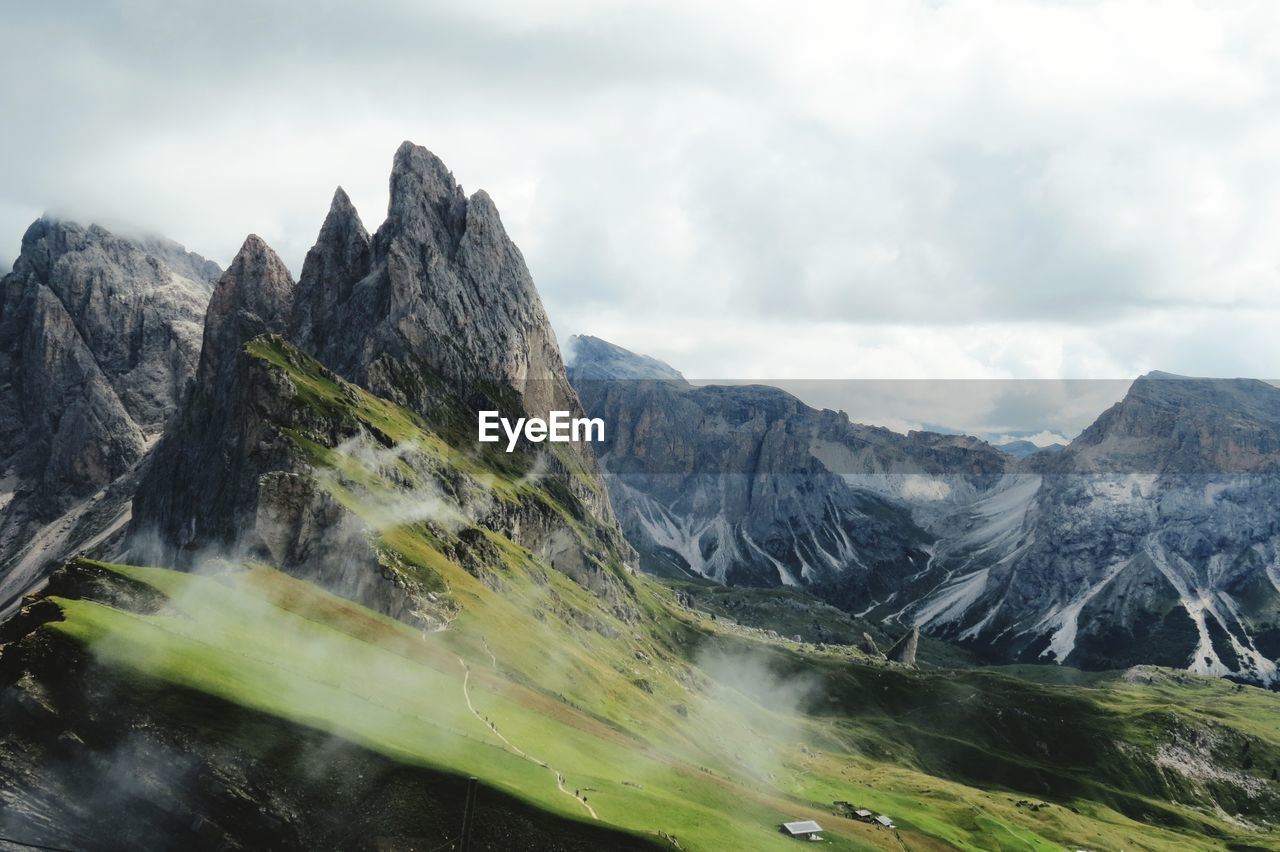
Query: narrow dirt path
[[466, 693]]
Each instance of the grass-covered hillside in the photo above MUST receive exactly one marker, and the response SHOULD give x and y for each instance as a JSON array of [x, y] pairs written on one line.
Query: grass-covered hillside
[[670, 727]]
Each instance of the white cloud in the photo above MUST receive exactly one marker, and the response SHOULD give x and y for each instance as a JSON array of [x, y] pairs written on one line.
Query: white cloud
[[937, 189]]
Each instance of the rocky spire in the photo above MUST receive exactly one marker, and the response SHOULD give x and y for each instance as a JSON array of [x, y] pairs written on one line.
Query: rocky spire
[[425, 198], [440, 285], [202, 481], [253, 297], [338, 260]]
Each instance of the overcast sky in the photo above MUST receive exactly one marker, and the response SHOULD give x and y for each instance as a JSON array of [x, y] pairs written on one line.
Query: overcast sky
[[748, 190]]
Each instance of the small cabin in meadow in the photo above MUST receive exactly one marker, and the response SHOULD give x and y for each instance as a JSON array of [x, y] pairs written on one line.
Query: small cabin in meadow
[[885, 821], [805, 829]]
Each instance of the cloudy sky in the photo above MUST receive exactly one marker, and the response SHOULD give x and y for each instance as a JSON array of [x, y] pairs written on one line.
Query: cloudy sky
[[849, 189]]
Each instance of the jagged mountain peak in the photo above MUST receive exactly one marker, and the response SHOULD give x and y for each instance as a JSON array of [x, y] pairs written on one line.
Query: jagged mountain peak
[[341, 202], [441, 285], [254, 296], [257, 281], [133, 303], [99, 338], [436, 316], [339, 258], [415, 161], [424, 191], [342, 229], [342, 222], [1256, 397], [202, 458], [1167, 423], [50, 237]]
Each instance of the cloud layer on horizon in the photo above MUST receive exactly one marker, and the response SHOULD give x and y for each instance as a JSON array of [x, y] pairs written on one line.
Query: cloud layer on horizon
[[843, 189]]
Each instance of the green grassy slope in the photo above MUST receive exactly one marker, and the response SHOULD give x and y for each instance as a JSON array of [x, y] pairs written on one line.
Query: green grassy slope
[[727, 772]]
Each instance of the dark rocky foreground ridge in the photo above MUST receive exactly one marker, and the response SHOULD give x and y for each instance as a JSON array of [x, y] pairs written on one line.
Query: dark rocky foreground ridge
[[1150, 539]]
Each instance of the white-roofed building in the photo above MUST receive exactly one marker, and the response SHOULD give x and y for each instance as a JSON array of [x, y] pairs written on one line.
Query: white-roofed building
[[805, 829]]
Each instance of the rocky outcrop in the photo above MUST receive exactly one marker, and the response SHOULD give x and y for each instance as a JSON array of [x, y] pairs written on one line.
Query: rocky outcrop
[[99, 336], [904, 650], [437, 311], [869, 647], [201, 489]]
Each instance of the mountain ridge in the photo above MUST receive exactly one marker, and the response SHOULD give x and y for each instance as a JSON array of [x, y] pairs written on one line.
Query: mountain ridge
[[435, 314], [1098, 554]]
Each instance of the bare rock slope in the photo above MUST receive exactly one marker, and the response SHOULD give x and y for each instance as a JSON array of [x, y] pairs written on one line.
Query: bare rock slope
[[99, 335]]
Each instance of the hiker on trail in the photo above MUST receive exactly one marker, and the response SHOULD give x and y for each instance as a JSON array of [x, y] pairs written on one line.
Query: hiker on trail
[[576, 793]]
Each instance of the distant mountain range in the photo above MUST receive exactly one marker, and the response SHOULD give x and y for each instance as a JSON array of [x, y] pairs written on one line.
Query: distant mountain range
[[1020, 449], [1150, 538]]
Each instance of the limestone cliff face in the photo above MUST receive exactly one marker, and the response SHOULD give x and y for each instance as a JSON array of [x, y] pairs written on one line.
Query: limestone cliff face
[[748, 485], [202, 483], [1152, 538], [99, 335], [438, 310], [440, 284], [437, 314]]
